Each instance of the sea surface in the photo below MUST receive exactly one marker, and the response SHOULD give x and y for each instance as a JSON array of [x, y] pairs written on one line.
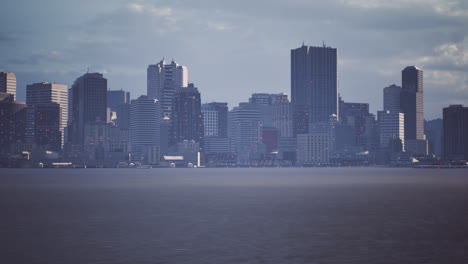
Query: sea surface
[[258, 215]]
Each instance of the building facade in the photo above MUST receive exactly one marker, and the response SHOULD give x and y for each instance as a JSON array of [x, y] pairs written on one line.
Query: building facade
[[8, 83], [455, 133]]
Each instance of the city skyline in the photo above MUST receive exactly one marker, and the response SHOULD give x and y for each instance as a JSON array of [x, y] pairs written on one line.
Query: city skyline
[[227, 38]]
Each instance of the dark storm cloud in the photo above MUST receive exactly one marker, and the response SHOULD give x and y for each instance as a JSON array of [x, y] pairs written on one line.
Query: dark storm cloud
[[234, 48]]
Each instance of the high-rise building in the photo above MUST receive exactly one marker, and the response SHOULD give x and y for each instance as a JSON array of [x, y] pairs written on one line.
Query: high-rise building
[[221, 121], [12, 123], [8, 83], [88, 105], [314, 82], [162, 81], [145, 125], [245, 131], [391, 98], [434, 131], [282, 115], [187, 120], [47, 93], [391, 127], [45, 128], [411, 102], [117, 98], [455, 134]]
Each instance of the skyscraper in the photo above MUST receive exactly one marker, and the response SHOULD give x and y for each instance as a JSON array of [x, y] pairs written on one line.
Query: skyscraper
[[162, 81], [282, 115], [8, 83], [88, 105], [117, 98], [45, 127], [187, 121], [314, 82], [411, 102], [391, 98], [47, 93], [12, 123], [455, 134], [245, 131], [145, 125]]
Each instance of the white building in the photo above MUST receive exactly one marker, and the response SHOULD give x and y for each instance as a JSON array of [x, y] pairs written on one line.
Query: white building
[[391, 126], [8, 83], [313, 148], [162, 81], [145, 125]]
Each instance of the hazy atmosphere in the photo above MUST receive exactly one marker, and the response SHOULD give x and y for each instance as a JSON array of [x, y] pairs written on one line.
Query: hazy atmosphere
[[235, 48]]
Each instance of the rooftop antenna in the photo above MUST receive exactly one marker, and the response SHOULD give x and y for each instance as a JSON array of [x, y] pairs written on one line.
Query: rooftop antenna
[[87, 70], [323, 41], [302, 43]]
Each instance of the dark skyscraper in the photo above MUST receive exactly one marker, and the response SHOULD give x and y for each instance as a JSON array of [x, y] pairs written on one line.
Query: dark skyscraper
[[88, 105], [46, 125], [411, 102], [12, 122], [455, 135], [117, 98], [314, 83], [187, 122]]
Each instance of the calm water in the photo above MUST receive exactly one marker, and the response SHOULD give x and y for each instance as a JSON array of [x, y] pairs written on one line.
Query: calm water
[[357, 215]]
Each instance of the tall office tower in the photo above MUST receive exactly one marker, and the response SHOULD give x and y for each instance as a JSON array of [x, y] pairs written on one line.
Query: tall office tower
[[245, 131], [88, 105], [144, 132], [162, 81], [314, 84], [455, 135], [47, 93], [8, 83], [282, 115], [187, 120], [391, 98], [391, 126], [12, 123], [46, 130], [117, 98], [411, 102]]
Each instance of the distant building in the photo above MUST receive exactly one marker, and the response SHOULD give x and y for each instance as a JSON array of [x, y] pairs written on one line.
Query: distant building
[[313, 148], [117, 98], [162, 81], [87, 129], [144, 132], [314, 82], [45, 122], [270, 138], [455, 134], [245, 132], [215, 119], [8, 83], [12, 124], [411, 102], [282, 115], [434, 133], [187, 120], [47, 93], [391, 126], [391, 98]]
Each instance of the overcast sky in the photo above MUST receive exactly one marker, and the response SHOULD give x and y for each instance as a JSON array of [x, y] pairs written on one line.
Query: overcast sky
[[235, 48]]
